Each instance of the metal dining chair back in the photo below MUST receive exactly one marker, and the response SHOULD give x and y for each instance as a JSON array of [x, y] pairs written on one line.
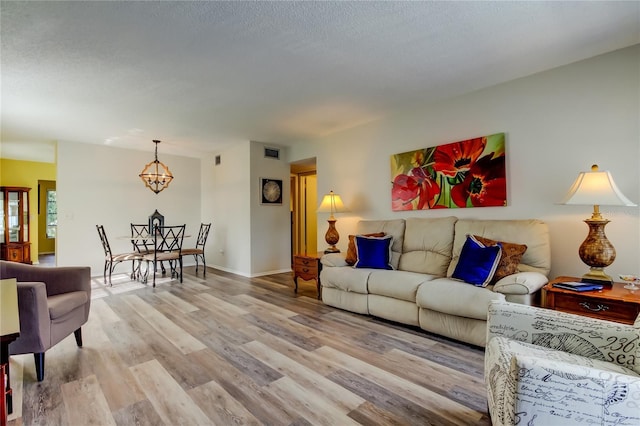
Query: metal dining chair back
[[198, 251], [141, 238], [111, 260], [167, 248]]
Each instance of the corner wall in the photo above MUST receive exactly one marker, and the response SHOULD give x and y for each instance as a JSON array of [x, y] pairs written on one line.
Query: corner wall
[[557, 123], [247, 238]]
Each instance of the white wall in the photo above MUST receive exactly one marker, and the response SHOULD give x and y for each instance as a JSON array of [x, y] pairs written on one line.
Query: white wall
[[226, 204], [100, 185], [246, 238], [557, 123], [270, 224]]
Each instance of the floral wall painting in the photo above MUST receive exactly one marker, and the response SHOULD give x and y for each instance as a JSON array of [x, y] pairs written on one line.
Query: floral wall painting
[[469, 173]]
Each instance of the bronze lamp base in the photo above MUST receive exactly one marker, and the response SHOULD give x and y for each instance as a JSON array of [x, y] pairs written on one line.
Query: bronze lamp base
[[597, 252]]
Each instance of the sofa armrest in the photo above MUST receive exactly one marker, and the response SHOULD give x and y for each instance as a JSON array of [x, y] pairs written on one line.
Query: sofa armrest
[[521, 283], [333, 259], [35, 326], [588, 337]]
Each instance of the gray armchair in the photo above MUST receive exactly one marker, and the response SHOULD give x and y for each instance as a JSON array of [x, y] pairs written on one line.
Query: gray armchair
[[52, 303]]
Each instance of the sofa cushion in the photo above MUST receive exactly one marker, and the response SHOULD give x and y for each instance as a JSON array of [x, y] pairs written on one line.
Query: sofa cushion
[[62, 304], [510, 259], [346, 278], [456, 298], [477, 263], [532, 232], [427, 245], [352, 255], [373, 252], [401, 285], [395, 228]]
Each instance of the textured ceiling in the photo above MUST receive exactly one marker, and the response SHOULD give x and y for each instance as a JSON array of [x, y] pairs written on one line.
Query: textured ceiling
[[200, 75]]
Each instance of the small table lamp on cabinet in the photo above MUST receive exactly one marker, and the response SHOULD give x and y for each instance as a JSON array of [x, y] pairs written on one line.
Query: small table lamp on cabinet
[[596, 188], [332, 203]]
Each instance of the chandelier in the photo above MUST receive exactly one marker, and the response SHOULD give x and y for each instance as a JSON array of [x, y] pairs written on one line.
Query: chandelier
[[155, 175]]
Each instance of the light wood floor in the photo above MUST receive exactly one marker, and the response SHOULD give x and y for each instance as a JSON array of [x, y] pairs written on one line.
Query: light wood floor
[[231, 350]]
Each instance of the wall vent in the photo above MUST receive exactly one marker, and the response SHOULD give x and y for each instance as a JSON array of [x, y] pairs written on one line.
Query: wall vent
[[218, 159], [272, 153]]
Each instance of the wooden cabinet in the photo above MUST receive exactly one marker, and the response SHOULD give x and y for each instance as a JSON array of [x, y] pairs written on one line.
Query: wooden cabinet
[[612, 303], [307, 268], [14, 235]]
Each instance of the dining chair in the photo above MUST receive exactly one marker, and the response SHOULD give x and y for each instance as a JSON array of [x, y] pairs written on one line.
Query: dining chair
[[167, 248], [198, 251], [111, 260], [143, 242]]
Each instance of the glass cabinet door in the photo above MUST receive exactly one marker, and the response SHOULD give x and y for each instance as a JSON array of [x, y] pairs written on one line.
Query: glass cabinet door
[[14, 217], [2, 217], [25, 216]]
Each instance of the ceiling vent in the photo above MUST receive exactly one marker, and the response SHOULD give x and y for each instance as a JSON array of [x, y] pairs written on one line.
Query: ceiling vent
[[272, 153]]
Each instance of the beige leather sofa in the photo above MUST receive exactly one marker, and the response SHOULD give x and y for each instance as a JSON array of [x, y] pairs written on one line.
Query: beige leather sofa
[[420, 290]]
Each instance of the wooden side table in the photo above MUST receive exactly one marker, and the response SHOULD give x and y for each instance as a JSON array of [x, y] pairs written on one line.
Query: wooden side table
[[9, 331], [307, 267], [612, 303]]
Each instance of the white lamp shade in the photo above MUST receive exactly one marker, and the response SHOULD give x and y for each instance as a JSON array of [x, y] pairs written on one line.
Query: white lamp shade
[[596, 188], [332, 203], [9, 319]]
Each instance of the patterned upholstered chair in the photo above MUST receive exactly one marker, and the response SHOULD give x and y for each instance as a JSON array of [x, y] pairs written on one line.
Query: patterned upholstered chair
[[545, 367]]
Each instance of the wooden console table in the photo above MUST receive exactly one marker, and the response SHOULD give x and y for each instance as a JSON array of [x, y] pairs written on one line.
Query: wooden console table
[[307, 267], [612, 303]]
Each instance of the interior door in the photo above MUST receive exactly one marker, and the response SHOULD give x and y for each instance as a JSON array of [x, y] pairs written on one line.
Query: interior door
[[309, 219]]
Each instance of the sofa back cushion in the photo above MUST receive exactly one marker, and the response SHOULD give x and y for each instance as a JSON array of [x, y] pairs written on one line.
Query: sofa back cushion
[[395, 228], [533, 233], [428, 244]]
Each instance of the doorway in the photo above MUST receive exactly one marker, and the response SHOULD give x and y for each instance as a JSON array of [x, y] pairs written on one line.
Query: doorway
[[47, 220], [304, 203]]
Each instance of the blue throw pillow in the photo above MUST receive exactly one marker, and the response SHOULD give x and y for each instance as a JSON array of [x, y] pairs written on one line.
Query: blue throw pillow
[[477, 263], [373, 252]]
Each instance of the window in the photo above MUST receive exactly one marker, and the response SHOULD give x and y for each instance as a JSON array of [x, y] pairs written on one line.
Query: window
[[52, 214]]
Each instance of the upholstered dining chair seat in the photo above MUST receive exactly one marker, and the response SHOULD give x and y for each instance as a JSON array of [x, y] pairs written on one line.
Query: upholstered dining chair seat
[[123, 257], [162, 256], [192, 251]]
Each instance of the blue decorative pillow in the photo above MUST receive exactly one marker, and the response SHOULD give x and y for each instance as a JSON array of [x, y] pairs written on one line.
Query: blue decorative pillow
[[373, 252], [477, 263]]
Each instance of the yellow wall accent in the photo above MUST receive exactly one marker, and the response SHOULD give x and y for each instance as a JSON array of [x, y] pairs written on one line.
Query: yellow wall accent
[[28, 173]]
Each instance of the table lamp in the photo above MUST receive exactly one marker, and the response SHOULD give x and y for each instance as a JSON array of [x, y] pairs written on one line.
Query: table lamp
[[9, 319], [596, 188], [332, 203]]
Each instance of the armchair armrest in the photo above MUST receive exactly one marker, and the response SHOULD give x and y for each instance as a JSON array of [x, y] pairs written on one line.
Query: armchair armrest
[[588, 337], [552, 390], [521, 283], [35, 326]]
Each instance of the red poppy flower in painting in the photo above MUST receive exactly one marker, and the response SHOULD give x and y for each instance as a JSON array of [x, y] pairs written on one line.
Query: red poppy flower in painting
[[469, 173], [458, 157], [417, 184], [484, 185]]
